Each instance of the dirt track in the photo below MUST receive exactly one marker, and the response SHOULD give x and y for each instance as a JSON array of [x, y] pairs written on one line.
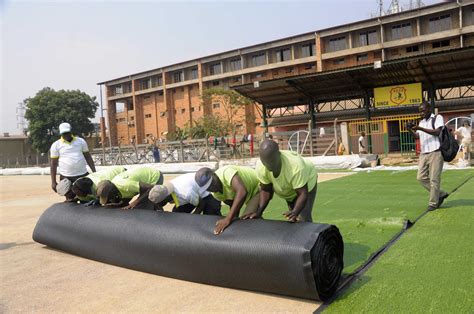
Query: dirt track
[[36, 278]]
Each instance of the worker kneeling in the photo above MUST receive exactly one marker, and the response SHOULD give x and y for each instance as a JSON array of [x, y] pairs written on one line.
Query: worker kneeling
[[289, 176], [235, 186], [186, 196], [122, 188]]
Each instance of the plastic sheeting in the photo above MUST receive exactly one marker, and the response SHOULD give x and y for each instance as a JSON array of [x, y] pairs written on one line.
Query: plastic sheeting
[[301, 260], [163, 167]]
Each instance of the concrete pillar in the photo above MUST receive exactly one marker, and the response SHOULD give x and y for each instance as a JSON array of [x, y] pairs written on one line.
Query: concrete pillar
[[382, 40], [157, 114], [187, 96], [139, 117], [319, 53], [418, 27], [111, 117]]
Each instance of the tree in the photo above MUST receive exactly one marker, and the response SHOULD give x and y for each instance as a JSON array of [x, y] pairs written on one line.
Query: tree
[[49, 108], [230, 100], [207, 126]]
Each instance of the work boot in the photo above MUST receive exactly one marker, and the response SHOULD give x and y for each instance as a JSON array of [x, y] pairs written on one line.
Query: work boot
[[441, 199]]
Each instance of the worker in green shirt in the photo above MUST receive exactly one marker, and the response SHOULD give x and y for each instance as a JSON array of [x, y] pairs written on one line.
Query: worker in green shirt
[[236, 186], [123, 187], [85, 188], [289, 176]]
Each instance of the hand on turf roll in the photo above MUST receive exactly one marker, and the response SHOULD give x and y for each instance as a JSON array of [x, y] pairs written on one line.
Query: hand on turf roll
[[291, 216], [130, 206], [221, 225], [92, 203], [251, 216]]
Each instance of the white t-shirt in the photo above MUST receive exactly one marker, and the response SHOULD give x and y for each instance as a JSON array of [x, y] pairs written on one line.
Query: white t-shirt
[[466, 134], [187, 190], [71, 156], [429, 143], [362, 142]]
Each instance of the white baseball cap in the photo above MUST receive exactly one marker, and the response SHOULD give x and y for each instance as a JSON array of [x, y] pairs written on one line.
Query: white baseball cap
[[64, 128], [63, 187]]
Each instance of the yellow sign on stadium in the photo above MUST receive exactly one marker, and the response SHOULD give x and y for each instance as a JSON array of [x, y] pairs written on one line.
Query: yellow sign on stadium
[[398, 95]]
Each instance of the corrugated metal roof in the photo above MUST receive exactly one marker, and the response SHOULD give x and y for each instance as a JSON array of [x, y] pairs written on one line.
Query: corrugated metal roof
[[443, 69]]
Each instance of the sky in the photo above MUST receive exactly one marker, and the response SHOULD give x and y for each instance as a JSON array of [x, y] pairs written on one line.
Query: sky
[[76, 44]]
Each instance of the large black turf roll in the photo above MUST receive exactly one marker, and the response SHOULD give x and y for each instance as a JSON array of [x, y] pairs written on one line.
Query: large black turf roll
[[301, 260]]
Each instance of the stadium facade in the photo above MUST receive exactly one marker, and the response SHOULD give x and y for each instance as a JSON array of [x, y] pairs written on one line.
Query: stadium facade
[[156, 102]]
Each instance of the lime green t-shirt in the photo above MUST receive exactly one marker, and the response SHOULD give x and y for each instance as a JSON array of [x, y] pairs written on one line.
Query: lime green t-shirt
[[98, 176], [295, 173], [128, 182], [248, 177]]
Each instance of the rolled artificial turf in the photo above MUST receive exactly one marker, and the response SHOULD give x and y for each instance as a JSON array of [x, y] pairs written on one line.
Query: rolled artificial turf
[[430, 269], [369, 208]]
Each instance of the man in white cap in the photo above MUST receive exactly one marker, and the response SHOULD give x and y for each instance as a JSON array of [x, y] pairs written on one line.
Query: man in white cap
[[186, 195], [71, 154]]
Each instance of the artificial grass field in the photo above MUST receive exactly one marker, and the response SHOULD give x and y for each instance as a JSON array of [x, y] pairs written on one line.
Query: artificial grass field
[[430, 268], [369, 208]]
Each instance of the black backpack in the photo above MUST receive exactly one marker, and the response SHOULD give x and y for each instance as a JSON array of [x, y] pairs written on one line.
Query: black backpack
[[449, 147]]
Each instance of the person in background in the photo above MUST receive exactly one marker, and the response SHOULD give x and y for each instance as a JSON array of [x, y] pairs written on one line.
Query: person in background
[[236, 186], [465, 132], [71, 155], [119, 191], [362, 144], [156, 154], [341, 149], [186, 196], [85, 188], [430, 164], [288, 175]]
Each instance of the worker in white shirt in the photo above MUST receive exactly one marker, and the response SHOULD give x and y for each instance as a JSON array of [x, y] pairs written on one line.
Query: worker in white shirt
[[186, 195], [70, 154], [430, 164]]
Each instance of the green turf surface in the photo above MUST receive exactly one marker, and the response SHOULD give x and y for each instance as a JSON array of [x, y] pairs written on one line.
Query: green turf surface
[[369, 208], [430, 269]]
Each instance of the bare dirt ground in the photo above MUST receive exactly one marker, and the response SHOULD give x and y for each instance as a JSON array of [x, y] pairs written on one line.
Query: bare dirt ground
[[35, 278]]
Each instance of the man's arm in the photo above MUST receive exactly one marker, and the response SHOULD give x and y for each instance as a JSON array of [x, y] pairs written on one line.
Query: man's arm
[[89, 161], [266, 194], [434, 132], [53, 170], [300, 202], [361, 143], [144, 192], [239, 199], [414, 133], [198, 210]]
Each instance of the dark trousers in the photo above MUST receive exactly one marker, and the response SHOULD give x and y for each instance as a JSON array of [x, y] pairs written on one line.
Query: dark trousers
[[72, 179], [211, 207], [306, 213]]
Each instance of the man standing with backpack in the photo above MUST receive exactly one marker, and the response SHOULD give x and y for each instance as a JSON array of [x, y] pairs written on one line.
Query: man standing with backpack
[[431, 160]]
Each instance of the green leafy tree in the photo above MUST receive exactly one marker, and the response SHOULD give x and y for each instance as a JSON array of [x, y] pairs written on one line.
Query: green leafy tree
[[49, 108], [180, 134], [207, 126], [230, 100]]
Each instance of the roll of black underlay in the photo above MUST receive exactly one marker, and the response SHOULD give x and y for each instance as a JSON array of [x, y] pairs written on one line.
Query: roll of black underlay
[[302, 260]]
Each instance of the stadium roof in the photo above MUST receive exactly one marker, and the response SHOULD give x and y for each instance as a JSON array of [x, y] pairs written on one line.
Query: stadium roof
[[440, 69]]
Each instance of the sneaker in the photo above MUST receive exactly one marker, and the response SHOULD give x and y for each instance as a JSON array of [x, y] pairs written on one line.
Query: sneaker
[[431, 208], [441, 199]]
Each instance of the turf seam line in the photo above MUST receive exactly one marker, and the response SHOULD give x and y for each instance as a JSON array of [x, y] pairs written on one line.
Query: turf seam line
[[350, 278]]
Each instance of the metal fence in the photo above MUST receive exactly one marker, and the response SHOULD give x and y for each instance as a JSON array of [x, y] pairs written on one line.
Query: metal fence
[[212, 149]]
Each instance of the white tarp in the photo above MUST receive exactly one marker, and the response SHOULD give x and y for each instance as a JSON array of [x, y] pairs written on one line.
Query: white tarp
[[163, 167]]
